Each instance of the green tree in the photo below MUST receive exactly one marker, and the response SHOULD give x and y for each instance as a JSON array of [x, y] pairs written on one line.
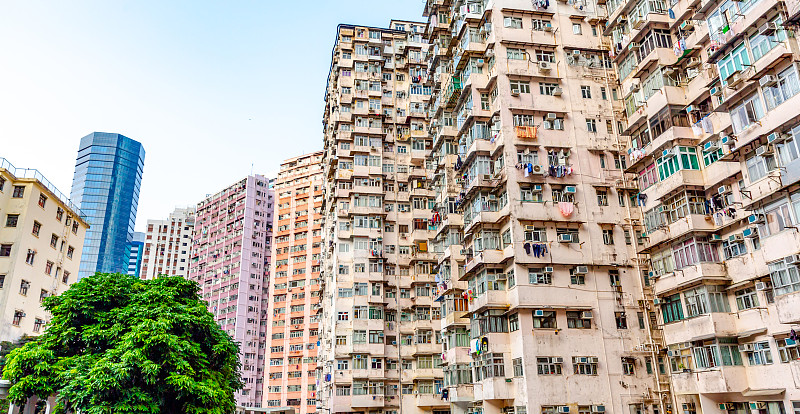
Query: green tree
[[118, 344], [7, 346]]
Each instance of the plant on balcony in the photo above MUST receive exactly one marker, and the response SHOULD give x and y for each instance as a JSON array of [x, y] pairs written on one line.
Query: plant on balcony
[[123, 345]]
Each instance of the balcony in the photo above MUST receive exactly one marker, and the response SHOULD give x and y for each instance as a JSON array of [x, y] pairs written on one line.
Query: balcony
[[366, 401], [461, 393], [487, 256], [430, 401], [788, 307], [667, 95], [489, 299], [689, 275], [495, 388], [684, 225], [675, 181], [698, 327], [711, 381]]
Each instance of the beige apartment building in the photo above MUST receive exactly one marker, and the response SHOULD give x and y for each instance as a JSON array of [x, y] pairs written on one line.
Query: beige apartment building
[[41, 238], [293, 315], [167, 245], [711, 123], [380, 348], [541, 284]]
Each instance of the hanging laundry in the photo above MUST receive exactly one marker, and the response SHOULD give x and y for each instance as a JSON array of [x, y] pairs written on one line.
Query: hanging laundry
[[566, 208], [708, 127]]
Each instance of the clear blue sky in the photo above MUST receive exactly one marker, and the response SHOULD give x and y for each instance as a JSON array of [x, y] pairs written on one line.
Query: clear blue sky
[[208, 87]]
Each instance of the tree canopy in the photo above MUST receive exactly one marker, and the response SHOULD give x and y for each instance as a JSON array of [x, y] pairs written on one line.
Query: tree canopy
[[118, 344]]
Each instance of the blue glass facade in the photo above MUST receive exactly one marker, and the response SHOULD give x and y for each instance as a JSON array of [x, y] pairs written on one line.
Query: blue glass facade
[[135, 253], [108, 175]]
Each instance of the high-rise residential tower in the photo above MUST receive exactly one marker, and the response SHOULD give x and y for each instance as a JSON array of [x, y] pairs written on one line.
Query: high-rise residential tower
[[292, 320], [167, 245], [135, 253], [230, 259], [380, 339], [108, 175], [41, 238], [541, 284], [711, 95]]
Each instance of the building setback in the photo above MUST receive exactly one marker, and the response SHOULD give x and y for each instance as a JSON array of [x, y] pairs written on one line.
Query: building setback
[[292, 321], [379, 331], [230, 258], [711, 96], [108, 176], [167, 245], [41, 238]]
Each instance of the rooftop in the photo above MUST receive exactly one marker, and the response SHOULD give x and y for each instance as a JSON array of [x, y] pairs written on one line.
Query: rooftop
[[34, 174]]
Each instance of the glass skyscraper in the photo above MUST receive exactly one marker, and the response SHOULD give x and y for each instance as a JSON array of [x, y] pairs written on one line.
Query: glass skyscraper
[[108, 175]]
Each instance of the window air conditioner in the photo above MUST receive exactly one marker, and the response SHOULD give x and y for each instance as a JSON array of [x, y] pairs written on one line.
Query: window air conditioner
[[767, 80], [551, 116], [548, 269], [586, 315], [557, 360], [565, 238], [768, 29], [755, 219], [722, 189], [581, 270], [544, 66], [792, 259], [557, 91], [538, 313], [764, 150], [761, 286]]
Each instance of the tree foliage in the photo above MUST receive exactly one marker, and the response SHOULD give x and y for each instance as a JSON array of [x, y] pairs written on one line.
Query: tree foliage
[[118, 344]]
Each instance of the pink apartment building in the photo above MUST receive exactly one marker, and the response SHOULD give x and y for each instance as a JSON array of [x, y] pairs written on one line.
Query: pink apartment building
[[230, 260]]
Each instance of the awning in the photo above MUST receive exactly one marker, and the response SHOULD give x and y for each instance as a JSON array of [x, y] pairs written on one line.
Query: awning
[[762, 392], [745, 282], [747, 334], [703, 337]]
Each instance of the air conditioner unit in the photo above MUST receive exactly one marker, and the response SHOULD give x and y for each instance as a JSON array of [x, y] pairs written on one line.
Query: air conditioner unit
[[755, 219], [745, 348], [515, 93], [565, 238], [750, 232], [656, 301], [733, 79], [735, 237], [764, 150], [690, 108], [530, 228], [711, 146], [686, 24], [671, 353], [634, 88], [598, 408], [761, 286], [792, 259], [551, 116], [537, 187], [667, 153], [594, 360], [557, 360], [715, 238], [767, 80], [586, 315], [633, 45], [557, 91], [538, 312], [693, 61], [581, 270], [725, 140], [538, 169], [576, 53], [563, 408], [548, 269], [768, 29], [479, 63], [775, 137], [544, 66], [715, 91], [582, 360], [570, 189], [548, 27], [668, 70], [758, 405], [722, 189]]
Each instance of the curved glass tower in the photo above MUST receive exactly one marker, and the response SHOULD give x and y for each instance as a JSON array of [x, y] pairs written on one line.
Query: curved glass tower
[[108, 175]]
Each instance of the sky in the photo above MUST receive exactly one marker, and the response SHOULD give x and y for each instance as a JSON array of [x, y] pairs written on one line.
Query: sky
[[212, 89]]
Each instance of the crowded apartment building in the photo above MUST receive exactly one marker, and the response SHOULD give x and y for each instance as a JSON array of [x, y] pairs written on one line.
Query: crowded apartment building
[[167, 245]]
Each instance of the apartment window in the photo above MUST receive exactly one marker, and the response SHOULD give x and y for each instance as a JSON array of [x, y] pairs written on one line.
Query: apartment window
[[512, 22], [746, 114], [602, 198], [12, 220], [513, 322], [576, 279], [760, 354], [579, 319], [548, 365], [516, 54], [608, 237], [584, 365], [70, 252], [42, 200], [53, 240], [30, 257], [518, 86], [537, 276], [43, 294], [2, 280], [48, 267], [2, 184], [591, 126], [621, 320], [65, 279], [547, 88], [746, 298], [758, 166], [19, 191], [628, 366], [671, 309], [576, 28], [17, 320], [785, 278], [544, 319], [23, 287], [586, 91], [788, 350], [545, 56], [517, 365], [37, 227], [37, 325]]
